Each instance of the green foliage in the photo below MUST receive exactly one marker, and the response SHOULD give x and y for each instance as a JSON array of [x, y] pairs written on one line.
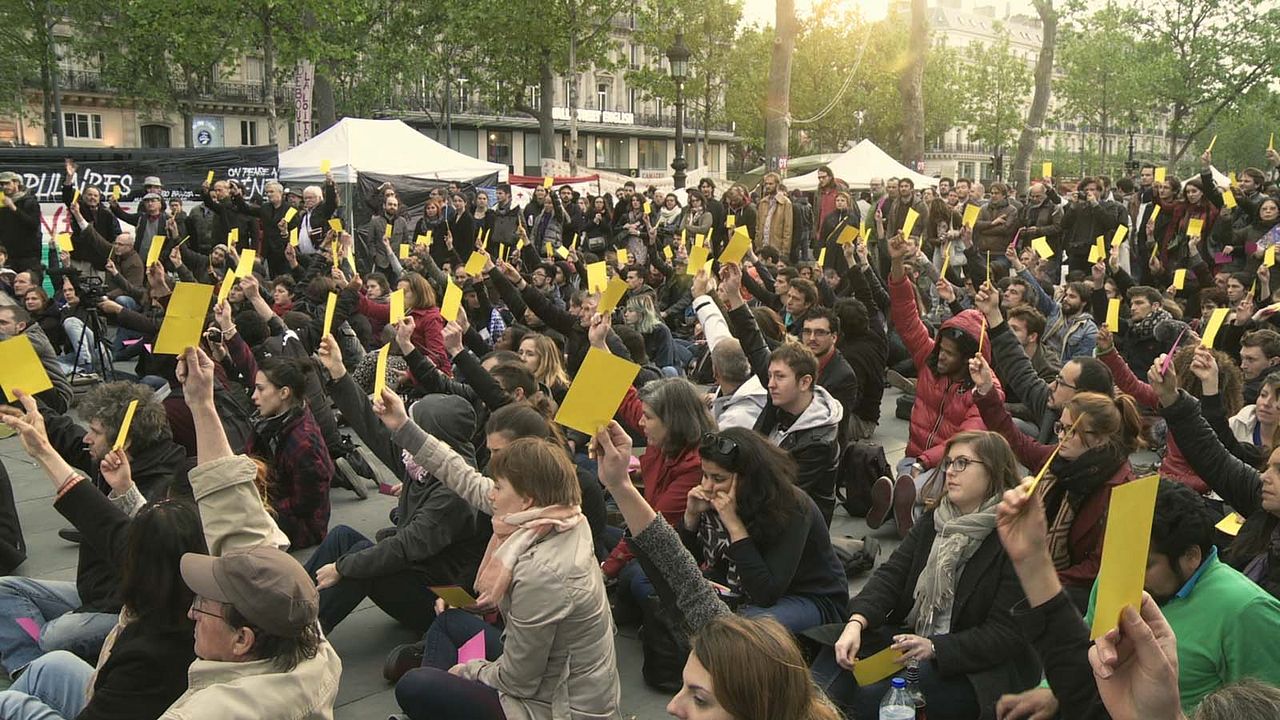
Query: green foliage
[[996, 85]]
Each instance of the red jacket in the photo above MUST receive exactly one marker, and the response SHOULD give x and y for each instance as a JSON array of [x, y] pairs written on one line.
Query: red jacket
[[943, 406], [1084, 539], [428, 330], [667, 480]]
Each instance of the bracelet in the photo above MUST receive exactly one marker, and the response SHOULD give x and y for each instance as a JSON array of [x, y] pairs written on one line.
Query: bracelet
[[860, 623], [67, 484]]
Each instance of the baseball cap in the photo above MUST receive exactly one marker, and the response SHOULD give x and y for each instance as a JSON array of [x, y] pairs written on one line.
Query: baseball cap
[[10, 177], [152, 180], [267, 586]]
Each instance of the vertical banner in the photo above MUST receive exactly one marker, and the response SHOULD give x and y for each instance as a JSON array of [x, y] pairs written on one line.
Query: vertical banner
[[304, 79]]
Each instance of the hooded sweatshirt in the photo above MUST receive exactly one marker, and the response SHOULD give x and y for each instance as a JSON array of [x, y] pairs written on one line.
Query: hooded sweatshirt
[[813, 441]]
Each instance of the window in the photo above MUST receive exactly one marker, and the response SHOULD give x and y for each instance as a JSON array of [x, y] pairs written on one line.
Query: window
[[653, 154], [248, 132], [499, 147], [532, 154], [155, 136], [533, 94], [631, 100], [635, 56], [612, 152], [85, 126], [602, 96], [253, 70], [692, 154]]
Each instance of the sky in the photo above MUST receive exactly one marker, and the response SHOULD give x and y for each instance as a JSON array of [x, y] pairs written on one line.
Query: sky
[[764, 11]]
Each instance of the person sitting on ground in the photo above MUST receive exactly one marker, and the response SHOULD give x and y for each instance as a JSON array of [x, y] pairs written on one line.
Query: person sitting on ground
[[738, 397]]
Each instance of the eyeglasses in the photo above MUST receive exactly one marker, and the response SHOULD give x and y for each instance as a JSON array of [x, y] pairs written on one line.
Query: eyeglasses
[[718, 445], [1059, 380], [815, 332], [959, 464], [1066, 431], [195, 606]]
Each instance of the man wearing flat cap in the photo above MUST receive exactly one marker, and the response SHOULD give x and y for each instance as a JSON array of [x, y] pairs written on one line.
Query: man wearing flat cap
[[20, 231]]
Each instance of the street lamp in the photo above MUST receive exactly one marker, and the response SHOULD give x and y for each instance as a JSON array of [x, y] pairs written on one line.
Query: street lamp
[[678, 56]]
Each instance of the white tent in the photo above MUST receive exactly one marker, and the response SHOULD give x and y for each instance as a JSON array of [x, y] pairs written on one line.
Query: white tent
[[858, 165], [387, 147]]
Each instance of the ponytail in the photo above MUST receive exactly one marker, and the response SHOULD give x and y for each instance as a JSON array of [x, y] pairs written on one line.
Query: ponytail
[[1132, 435], [1117, 419]]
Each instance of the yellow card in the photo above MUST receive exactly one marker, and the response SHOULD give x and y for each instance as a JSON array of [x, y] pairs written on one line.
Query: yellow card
[[184, 318], [330, 305], [1098, 251], [1232, 177], [822, 258], [1229, 198], [1113, 315], [546, 181], [700, 240], [1271, 143], [325, 167], [666, 252], [335, 224], [1269, 256], [454, 596], [697, 259], [75, 199], [475, 264], [208, 179], [115, 193], [233, 237], [1046, 170], [289, 215], [1231, 524], [1041, 246], [21, 369], [909, 223], [397, 306], [452, 302], [1215, 324], [224, 290], [386, 232], [1195, 226], [1179, 278], [1121, 232], [380, 375], [423, 240], [154, 250], [123, 434], [737, 248], [1155, 213], [596, 392], [982, 332], [550, 251], [971, 215], [245, 267], [648, 207], [846, 236], [1160, 173], [404, 251], [612, 295], [562, 252], [623, 258], [293, 237], [869, 671], [731, 221], [597, 277], [64, 242], [1211, 143], [1124, 552]]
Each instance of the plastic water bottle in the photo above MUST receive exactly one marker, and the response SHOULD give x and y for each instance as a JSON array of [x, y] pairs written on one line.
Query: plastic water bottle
[[913, 688], [897, 703]]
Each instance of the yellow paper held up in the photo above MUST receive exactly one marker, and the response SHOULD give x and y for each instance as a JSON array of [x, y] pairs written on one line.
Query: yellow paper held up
[[667, 253], [452, 303], [547, 180], [335, 224], [648, 207], [233, 237], [623, 258], [64, 242], [550, 250], [325, 166], [397, 306], [123, 434], [208, 179], [289, 215], [245, 267], [697, 259], [1113, 315], [612, 295], [1195, 227], [597, 277], [562, 252], [731, 221], [596, 392], [1121, 232], [386, 231], [75, 199], [847, 235], [869, 671], [1124, 552], [1215, 324], [1042, 248], [183, 319], [475, 264], [154, 250], [1212, 143], [737, 248], [1179, 278], [1160, 173], [1229, 199], [454, 596], [380, 373], [330, 305], [404, 251], [946, 260], [422, 240], [115, 193], [1231, 524], [21, 369], [971, 215], [1269, 256], [224, 290], [822, 258], [1098, 251], [1046, 170], [909, 223]]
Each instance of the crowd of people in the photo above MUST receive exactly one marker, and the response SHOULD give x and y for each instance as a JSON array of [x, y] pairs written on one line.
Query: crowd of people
[[1085, 332]]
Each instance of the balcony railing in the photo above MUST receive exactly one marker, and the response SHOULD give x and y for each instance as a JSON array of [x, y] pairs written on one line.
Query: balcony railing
[[226, 90]]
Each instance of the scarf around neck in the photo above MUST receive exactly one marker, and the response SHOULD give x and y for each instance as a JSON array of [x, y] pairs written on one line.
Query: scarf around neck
[[1146, 327], [513, 534], [958, 538], [269, 429]]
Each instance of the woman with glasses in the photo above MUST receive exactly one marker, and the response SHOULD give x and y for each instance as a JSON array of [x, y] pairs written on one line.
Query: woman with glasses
[[1096, 434], [942, 599], [759, 536]]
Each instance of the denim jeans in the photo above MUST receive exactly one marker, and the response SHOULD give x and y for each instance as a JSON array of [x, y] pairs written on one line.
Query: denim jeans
[[431, 693], [52, 688], [119, 350], [47, 607], [948, 697], [793, 612], [82, 342]]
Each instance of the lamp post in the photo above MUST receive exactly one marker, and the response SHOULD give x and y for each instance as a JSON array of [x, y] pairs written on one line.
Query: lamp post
[[678, 57]]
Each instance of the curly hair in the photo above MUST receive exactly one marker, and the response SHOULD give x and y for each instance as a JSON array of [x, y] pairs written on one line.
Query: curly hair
[[107, 404]]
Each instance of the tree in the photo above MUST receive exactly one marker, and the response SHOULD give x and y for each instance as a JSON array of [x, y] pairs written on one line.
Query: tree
[[911, 85], [26, 40], [1033, 128], [997, 82], [777, 107]]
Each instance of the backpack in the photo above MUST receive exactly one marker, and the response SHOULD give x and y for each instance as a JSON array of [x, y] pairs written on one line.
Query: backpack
[[235, 410], [861, 465]]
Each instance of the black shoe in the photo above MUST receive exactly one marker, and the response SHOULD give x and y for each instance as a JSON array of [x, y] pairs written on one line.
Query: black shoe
[[71, 535], [881, 502], [401, 660]]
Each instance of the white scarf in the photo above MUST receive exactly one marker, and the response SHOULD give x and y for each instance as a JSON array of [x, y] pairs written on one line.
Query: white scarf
[[958, 538]]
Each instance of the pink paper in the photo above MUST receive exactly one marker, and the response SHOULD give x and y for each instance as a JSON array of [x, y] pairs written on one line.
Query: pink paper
[[1168, 358], [1220, 258], [472, 649], [30, 626]]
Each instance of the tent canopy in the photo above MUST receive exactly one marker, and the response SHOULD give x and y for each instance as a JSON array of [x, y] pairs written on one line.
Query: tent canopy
[[387, 147], [856, 167]]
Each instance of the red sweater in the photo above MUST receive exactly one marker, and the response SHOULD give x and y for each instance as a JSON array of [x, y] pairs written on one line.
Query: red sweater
[[428, 331]]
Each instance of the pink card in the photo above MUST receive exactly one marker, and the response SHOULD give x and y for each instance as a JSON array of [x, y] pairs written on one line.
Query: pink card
[[30, 626], [472, 649]]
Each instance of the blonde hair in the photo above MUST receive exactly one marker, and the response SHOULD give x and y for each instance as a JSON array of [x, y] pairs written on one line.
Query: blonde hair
[[550, 370]]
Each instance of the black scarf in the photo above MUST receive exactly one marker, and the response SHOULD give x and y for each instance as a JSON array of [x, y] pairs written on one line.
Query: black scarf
[[1077, 478], [269, 429]]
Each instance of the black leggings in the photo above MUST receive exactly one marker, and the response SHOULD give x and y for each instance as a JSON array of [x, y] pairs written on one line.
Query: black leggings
[[431, 693]]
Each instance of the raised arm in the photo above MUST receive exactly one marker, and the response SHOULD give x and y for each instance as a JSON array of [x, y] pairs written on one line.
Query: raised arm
[[434, 455]]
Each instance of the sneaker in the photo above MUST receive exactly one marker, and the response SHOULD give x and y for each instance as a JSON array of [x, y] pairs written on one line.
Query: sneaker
[[904, 504], [401, 660], [881, 502], [346, 477], [900, 381], [86, 378]]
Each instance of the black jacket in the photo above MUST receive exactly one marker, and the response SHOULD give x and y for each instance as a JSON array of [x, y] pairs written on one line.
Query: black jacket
[[20, 228], [1061, 640], [1021, 380], [1083, 223], [838, 378], [983, 644]]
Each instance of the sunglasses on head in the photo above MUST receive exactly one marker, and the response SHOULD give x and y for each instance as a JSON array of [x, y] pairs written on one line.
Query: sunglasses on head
[[718, 445]]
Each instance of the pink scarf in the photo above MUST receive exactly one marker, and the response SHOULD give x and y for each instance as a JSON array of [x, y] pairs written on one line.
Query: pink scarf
[[513, 534]]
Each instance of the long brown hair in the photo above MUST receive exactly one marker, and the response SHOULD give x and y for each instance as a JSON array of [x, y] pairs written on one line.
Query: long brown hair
[[996, 456], [1116, 419], [757, 671]]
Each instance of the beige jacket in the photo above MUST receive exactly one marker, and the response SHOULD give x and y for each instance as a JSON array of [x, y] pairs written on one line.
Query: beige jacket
[[779, 235], [233, 517], [558, 657]]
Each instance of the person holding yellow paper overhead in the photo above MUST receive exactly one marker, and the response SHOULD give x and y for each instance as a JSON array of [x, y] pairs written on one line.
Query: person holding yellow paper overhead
[[1041, 216], [1084, 219], [319, 204], [774, 221], [432, 225], [420, 302], [95, 212], [386, 229], [271, 216], [843, 214], [943, 599]]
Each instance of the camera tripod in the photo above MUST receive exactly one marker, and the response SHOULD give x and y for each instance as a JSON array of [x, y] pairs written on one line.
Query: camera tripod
[[98, 356]]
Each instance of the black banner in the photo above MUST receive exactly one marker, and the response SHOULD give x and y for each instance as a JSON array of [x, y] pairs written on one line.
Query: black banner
[[180, 170], [413, 193]]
